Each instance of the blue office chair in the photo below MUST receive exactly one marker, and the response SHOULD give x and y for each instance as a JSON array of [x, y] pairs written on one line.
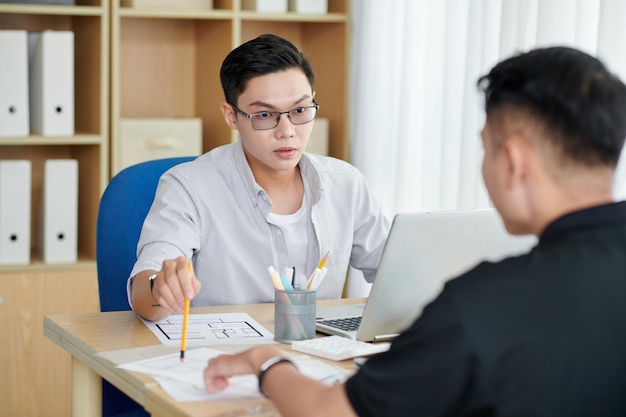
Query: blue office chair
[[123, 207]]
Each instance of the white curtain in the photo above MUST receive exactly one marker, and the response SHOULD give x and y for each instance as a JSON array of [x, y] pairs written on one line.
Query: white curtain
[[415, 111]]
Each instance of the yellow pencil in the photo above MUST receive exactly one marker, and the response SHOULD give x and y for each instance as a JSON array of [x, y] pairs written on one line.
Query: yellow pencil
[[319, 268], [183, 339], [323, 261]]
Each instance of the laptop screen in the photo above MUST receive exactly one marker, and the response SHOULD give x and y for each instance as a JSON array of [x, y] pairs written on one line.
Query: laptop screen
[[422, 252]]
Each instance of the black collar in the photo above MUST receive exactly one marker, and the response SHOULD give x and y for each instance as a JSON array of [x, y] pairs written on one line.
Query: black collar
[[591, 217]]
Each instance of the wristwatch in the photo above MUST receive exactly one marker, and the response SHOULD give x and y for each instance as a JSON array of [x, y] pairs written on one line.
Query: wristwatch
[[151, 279], [266, 367]]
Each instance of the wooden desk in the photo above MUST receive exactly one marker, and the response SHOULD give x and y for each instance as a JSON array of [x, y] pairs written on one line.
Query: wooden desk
[[84, 336]]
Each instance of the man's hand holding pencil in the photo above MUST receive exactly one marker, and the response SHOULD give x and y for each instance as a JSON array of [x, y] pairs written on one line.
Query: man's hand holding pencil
[[174, 283]]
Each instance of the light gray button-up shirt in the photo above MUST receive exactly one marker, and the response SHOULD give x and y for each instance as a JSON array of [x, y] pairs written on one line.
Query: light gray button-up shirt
[[212, 211]]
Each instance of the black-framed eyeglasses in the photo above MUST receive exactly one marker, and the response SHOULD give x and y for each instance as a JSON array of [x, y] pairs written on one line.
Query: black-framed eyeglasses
[[265, 120]]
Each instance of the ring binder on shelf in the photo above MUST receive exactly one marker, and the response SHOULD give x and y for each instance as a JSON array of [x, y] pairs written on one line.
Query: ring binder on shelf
[[51, 82], [14, 83], [15, 199], [60, 211]]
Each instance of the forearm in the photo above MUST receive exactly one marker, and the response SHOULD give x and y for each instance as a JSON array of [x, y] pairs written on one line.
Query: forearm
[[295, 394], [144, 304]]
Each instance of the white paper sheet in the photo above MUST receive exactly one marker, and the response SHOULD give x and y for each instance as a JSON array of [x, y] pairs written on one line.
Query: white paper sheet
[[184, 381], [211, 329]]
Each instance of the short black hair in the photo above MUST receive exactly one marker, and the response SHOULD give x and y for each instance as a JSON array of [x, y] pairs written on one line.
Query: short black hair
[[263, 55], [581, 103]]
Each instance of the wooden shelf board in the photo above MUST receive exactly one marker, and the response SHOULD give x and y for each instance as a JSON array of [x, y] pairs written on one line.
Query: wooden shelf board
[[39, 265], [52, 10], [176, 13], [33, 140]]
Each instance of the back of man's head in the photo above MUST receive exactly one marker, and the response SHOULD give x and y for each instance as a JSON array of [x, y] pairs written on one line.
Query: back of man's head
[[580, 103], [265, 54]]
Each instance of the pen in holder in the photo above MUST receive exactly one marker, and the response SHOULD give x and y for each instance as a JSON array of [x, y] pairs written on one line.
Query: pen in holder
[[294, 315]]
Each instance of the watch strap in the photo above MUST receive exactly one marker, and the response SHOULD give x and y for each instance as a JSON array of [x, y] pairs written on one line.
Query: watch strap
[[267, 365]]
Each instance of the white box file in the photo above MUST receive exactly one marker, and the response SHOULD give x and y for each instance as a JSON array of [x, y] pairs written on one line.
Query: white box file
[[147, 139], [15, 200], [309, 6], [14, 119], [60, 211], [51, 82], [265, 6], [318, 142]]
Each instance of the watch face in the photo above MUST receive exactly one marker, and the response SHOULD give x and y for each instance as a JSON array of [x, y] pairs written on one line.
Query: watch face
[[151, 278]]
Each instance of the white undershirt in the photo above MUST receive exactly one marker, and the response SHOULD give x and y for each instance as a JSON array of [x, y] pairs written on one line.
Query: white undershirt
[[295, 229]]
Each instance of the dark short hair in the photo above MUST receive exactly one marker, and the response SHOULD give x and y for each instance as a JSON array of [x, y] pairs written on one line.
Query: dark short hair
[[263, 55], [580, 102]]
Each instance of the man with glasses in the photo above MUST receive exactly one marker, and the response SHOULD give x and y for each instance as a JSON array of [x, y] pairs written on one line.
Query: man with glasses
[[261, 201]]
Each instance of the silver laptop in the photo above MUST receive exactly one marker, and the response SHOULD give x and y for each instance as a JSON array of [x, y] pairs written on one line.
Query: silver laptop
[[422, 252]]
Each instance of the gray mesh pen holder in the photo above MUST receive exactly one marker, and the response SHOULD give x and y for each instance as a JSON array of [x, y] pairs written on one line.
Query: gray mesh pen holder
[[294, 315]]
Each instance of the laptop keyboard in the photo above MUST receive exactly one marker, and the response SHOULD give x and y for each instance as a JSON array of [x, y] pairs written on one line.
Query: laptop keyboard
[[344, 323]]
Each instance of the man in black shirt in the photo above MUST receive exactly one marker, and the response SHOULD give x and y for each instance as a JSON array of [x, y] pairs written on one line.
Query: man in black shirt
[[542, 334]]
